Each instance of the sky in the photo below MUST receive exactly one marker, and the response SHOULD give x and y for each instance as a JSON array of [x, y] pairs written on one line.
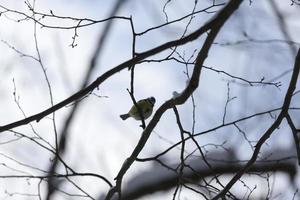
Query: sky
[[100, 141]]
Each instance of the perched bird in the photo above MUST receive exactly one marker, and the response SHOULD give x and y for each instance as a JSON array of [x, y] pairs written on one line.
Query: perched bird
[[146, 107]]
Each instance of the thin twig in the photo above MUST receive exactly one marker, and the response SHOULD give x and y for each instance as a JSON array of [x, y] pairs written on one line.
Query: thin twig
[[214, 25], [268, 133]]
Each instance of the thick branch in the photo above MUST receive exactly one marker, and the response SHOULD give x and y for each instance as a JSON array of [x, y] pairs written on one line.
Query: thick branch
[[160, 179], [215, 26], [268, 133], [65, 130], [109, 73]]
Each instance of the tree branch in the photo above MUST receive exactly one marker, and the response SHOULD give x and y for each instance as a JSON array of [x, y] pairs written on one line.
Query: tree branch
[[215, 26], [71, 115], [268, 133], [162, 179], [139, 57]]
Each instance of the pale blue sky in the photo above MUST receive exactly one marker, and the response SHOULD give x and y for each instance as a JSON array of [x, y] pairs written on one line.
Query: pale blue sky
[[100, 141]]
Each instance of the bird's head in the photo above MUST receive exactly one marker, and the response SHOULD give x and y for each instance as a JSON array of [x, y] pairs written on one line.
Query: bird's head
[[152, 100]]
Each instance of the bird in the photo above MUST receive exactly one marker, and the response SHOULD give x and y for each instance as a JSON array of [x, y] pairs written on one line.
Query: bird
[[146, 107]]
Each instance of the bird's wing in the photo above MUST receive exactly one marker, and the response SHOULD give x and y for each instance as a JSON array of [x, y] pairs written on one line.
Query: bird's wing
[[142, 105]]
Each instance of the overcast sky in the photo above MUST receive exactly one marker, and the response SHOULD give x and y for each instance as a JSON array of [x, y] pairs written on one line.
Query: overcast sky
[[100, 141]]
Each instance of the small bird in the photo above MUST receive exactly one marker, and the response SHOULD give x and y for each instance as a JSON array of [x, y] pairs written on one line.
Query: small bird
[[146, 106]]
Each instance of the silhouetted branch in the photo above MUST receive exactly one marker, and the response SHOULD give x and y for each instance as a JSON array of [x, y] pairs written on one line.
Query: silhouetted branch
[[108, 74], [214, 26], [232, 123], [65, 130], [163, 177], [268, 133]]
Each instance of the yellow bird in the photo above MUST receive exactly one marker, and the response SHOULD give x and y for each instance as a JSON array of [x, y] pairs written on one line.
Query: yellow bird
[[146, 106]]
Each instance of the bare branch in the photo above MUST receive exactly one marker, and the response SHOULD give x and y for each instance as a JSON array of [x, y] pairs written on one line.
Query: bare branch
[[268, 133], [215, 25], [109, 73]]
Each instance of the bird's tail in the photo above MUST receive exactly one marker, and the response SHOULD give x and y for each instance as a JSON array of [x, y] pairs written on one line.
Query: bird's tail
[[125, 116]]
